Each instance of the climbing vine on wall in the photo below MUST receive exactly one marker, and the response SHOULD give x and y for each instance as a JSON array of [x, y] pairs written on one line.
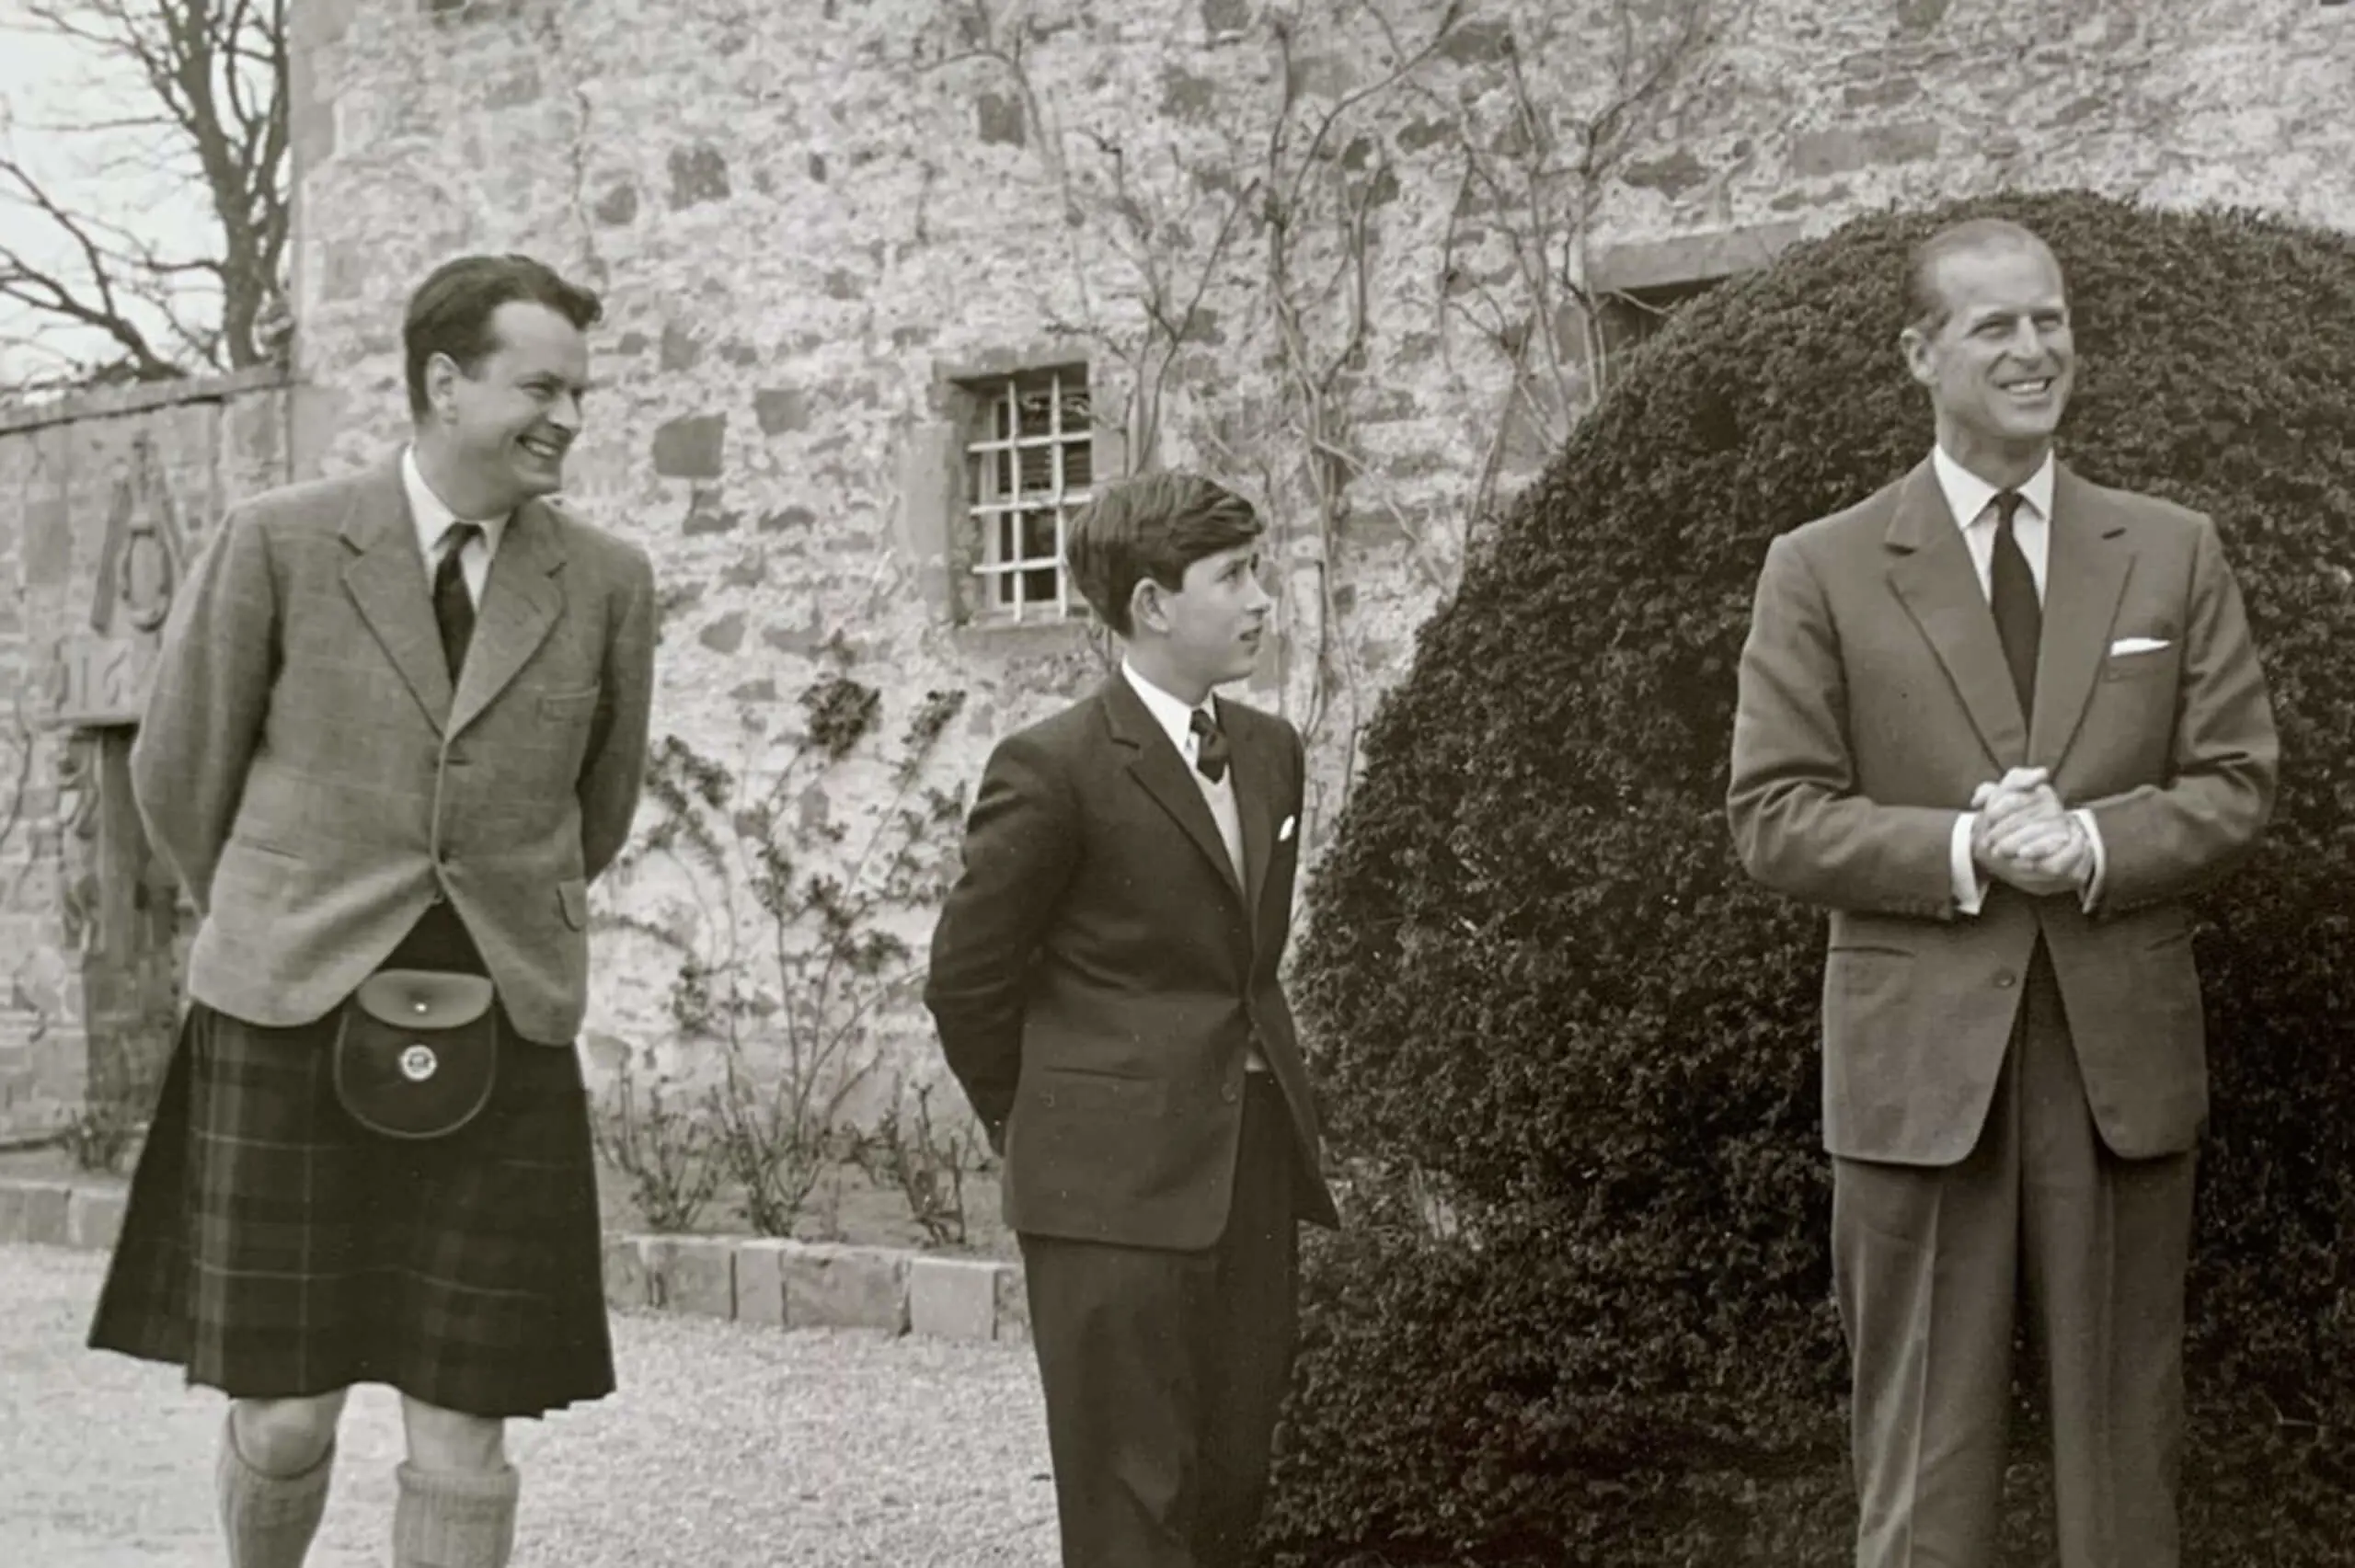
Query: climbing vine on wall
[[1259, 223], [781, 931]]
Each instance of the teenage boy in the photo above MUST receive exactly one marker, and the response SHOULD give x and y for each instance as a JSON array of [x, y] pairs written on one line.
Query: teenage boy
[[1104, 979]]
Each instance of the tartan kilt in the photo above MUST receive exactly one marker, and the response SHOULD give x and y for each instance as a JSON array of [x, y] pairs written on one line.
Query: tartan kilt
[[274, 1248]]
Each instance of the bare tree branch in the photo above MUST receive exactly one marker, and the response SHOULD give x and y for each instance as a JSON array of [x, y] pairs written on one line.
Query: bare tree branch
[[216, 72]]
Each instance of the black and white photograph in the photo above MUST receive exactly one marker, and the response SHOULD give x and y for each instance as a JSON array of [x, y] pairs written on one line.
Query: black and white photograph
[[1176, 784]]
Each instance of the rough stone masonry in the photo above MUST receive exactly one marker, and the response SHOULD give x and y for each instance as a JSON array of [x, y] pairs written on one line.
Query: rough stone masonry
[[1367, 267]]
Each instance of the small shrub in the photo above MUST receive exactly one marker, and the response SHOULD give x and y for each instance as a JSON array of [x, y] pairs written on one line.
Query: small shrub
[[911, 1153], [779, 1140], [668, 1154], [102, 1135]]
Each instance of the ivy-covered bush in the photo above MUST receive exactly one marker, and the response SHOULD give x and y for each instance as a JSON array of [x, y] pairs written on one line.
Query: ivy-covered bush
[[1583, 1313]]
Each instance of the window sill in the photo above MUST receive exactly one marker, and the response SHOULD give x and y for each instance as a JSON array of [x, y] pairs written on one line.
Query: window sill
[[1020, 639]]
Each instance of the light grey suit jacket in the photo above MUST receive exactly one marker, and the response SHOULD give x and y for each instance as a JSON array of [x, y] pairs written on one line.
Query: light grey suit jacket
[[307, 771], [1874, 698]]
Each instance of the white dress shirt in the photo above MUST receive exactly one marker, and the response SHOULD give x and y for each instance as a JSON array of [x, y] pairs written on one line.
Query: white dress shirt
[[433, 519], [1972, 501], [1177, 721]]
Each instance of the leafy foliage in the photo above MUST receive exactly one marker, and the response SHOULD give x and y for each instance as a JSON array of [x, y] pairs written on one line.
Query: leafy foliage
[[785, 958], [1549, 1007]]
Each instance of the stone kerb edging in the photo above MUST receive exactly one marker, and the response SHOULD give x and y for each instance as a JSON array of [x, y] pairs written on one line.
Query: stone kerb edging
[[800, 1285], [751, 1279]]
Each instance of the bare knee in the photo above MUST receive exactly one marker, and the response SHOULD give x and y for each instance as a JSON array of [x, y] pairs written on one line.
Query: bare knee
[[450, 1440], [285, 1436]]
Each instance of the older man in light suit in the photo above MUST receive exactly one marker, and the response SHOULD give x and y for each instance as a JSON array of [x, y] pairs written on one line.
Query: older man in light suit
[[399, 723], [2002, 721]]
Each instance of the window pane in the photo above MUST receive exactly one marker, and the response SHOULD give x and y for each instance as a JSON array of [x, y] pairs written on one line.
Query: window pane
[[1036, 411], [1038, 537], [1039, 586], [983, 474], [1079, 464], [1038, 471], [1009, 537]]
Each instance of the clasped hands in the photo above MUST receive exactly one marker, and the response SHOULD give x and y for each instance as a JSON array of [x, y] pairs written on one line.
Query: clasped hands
[[2027, 838]]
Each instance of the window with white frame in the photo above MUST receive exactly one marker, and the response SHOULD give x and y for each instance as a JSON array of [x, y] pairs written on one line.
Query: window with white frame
[[1028, 471]]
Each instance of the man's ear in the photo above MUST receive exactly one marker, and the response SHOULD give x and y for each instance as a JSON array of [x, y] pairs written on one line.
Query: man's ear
[[1915, 344], [442, 374], [1148, 606]]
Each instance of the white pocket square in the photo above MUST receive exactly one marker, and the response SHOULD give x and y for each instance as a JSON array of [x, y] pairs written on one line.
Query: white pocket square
[[1284, 832], [2125, 646]]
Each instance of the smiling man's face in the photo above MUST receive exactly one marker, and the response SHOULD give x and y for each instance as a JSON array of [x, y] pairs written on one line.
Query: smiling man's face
[[511, 417], [1999, 365]]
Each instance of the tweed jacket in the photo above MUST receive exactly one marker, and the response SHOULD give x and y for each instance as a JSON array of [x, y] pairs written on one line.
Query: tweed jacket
[[310, 773]]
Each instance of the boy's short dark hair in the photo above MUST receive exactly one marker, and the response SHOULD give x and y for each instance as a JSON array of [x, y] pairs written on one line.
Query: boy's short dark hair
[[450, 314], [1153, 525]]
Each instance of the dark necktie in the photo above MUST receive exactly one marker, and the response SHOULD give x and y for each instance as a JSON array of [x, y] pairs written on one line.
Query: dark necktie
[[1210, 749], [2011, 593], [454, 608]]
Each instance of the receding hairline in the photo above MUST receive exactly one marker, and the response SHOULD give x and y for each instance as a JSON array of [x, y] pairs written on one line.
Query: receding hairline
[[1925, 299]]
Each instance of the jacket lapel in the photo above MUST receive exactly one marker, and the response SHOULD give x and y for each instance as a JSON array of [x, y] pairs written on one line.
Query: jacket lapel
[[2087, 564], [1939, 588], [1157, 765], [386, 581], [519, 602], [1255, 791]]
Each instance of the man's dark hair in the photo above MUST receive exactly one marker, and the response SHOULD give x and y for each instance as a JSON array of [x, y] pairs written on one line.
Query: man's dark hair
[[1154, 525], [450, 314], [1925, 302]]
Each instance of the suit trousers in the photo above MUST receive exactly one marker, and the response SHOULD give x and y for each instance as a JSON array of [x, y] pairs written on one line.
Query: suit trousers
[[1928, 1262], [1164, 1371]]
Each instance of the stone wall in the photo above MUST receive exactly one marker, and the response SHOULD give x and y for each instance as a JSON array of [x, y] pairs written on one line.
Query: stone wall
[[108, 494], [1366, 266]]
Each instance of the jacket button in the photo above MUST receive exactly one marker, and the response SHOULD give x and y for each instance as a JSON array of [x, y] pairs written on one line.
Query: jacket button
[[2007, 979], [1227, 1092]]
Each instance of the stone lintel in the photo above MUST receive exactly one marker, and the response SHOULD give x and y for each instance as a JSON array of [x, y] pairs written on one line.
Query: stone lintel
[[1637, 264]]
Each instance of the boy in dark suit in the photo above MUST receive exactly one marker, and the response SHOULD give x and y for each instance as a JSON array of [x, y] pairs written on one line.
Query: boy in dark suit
[[1104, 978]]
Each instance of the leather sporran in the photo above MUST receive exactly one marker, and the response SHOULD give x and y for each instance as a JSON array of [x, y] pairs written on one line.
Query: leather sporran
[[417, 1052]]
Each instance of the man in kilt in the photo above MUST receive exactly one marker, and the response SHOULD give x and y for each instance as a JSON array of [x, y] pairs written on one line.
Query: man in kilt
[[398, 724]]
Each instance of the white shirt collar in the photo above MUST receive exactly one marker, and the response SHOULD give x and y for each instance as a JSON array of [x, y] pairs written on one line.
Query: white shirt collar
[[1174, 717], [1968, 495], [433, 514]]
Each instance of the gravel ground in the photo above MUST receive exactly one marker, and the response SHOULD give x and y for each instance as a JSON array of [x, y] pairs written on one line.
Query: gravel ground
[[726, 1445]]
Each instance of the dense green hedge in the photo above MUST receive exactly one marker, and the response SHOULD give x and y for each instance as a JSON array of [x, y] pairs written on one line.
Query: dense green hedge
[[1536, 972]]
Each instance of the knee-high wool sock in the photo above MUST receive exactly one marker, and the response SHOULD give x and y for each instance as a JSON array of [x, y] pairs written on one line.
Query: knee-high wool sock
[[445, 1518]]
